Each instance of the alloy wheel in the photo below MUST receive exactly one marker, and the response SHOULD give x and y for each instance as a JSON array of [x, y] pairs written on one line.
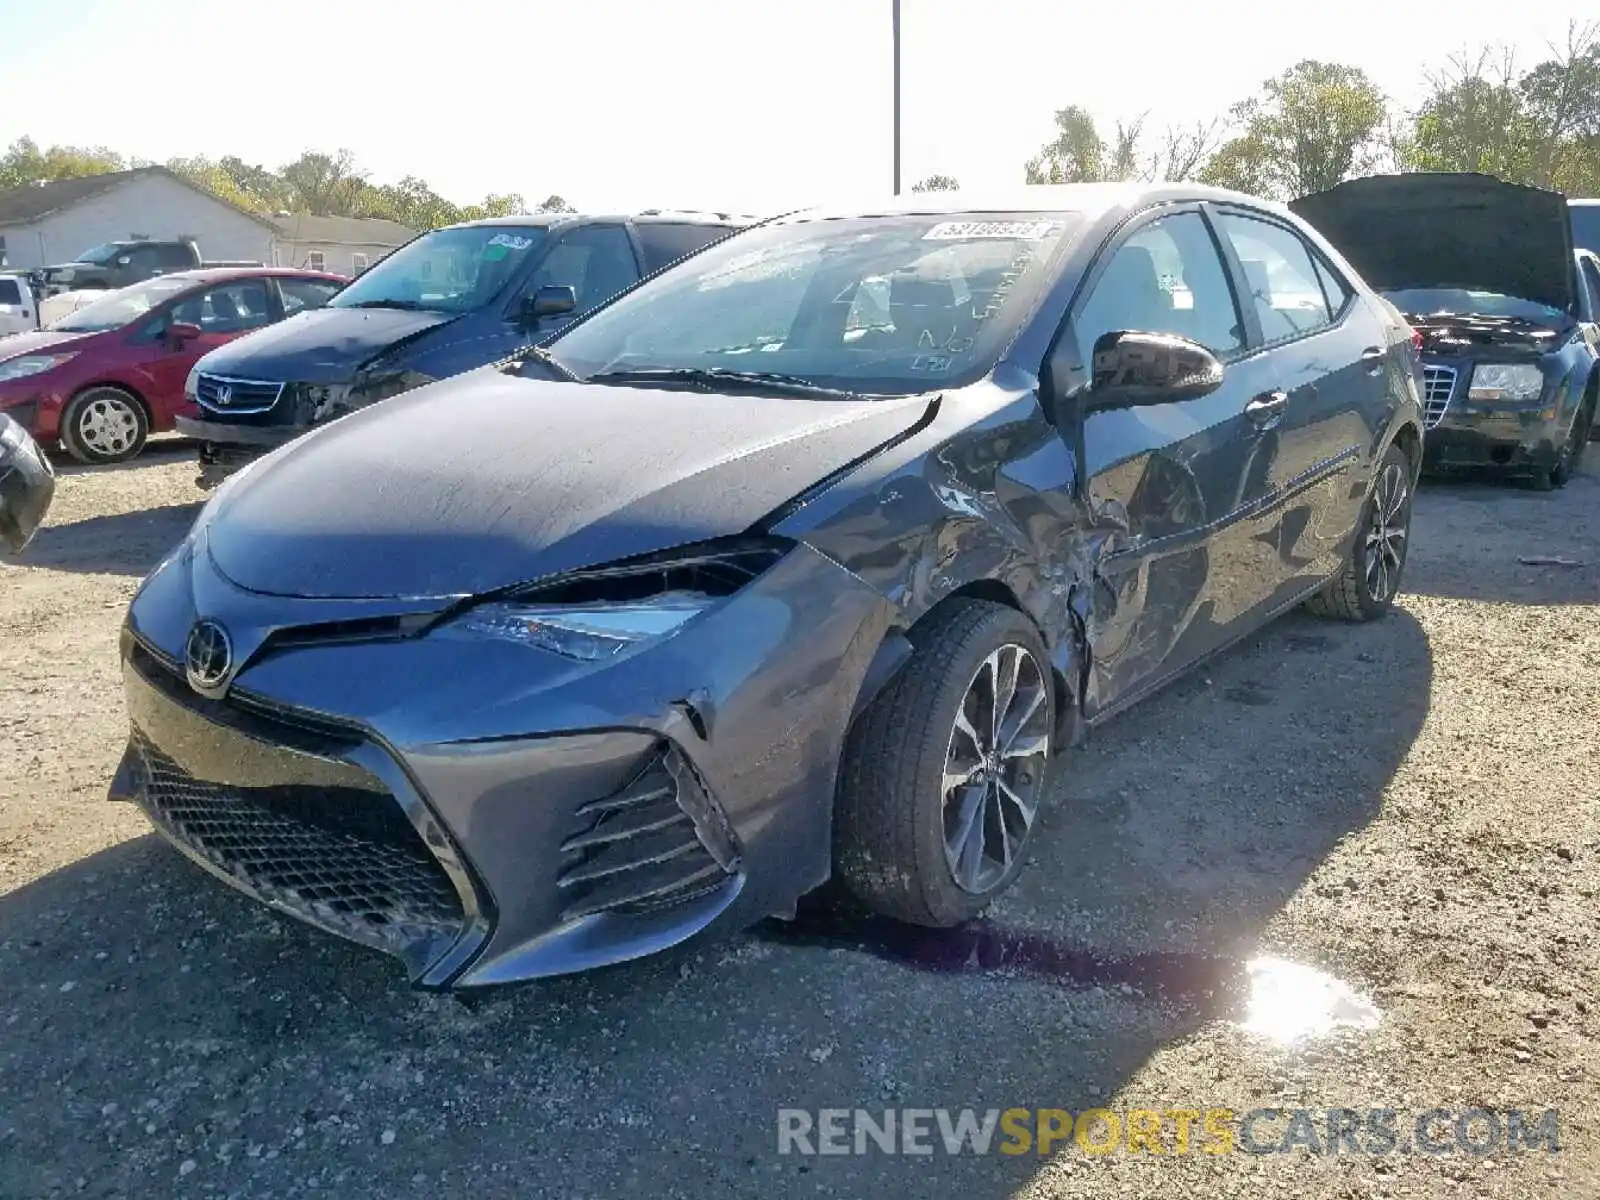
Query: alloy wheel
[[994, 768], [1387, 531], [107, 426]]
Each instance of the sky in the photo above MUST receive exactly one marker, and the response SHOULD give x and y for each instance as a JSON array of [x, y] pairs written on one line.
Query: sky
[[754, 106]]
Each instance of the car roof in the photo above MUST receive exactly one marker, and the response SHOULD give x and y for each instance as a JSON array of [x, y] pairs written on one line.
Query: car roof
[[1090, 199], [650, 216], [221, 274]]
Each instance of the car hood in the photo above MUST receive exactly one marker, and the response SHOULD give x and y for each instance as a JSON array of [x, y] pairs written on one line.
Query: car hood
[[325, 345], [40, 341], [484, 481], [1449, 230]]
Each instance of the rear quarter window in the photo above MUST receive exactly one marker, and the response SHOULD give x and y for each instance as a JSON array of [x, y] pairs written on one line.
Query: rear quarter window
[[665, 244], [10, 293]]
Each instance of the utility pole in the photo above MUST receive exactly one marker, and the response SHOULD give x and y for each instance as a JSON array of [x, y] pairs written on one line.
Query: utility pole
[[896, 19]]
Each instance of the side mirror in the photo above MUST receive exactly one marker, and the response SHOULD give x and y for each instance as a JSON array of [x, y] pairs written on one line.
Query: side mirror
[[180, 333], [124, 261], [1132, 368], [551, 300]]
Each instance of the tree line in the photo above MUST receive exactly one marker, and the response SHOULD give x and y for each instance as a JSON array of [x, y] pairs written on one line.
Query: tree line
[[318, 183], [1318, 123]]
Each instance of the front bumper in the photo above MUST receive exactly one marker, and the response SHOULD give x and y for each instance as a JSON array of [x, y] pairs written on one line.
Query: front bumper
[[486, 812], [225, 448], [1511, 440], [35, 405]]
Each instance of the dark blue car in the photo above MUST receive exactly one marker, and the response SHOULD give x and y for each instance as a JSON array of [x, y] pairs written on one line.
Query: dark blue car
[[453, 299]]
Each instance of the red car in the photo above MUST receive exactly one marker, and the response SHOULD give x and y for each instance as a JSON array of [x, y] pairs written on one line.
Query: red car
[[102, 379]]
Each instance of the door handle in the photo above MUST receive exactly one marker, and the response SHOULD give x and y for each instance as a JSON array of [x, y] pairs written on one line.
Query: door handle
[[1373, 355], [1266, 409]]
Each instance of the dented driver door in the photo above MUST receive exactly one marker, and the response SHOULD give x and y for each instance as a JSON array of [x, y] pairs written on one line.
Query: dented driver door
[[1170, 485]]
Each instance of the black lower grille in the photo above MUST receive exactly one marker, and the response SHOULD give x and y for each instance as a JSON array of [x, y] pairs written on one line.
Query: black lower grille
[[659, 840], [343, 858]]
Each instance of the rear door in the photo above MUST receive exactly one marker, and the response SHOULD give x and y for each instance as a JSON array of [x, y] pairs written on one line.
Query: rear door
[[1325, 357], [1177, 478]]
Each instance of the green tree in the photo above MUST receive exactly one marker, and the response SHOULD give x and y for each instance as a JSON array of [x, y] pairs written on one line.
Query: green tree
[[326, 185], [1474, 118], [24, 162], [1075, 155], [1562, 99], [555, 204], [937, 183], [1309, 128]]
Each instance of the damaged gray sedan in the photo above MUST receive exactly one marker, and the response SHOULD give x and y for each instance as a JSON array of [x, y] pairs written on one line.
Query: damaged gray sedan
[[798, 561]]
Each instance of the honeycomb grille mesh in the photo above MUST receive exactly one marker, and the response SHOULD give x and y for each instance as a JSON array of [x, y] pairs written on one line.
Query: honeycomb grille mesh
[[344, 859]]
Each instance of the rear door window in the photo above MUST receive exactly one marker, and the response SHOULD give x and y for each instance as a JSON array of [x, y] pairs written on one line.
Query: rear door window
[[174, 258], [1280, 281], [1591, 285], [664, 244], [10, 293]]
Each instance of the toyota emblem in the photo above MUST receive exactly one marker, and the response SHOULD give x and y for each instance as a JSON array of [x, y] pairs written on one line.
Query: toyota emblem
[[225, 394], [207, 656]]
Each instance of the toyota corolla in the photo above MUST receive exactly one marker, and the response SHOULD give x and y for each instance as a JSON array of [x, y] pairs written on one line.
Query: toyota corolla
[[799, 561]]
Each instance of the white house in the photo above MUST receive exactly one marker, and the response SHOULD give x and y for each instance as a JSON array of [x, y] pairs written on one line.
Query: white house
[[46, 223], [343, 245]]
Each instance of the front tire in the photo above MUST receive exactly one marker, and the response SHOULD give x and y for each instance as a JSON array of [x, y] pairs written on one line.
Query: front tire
[[1570, 456], [1369, 581], [104, 425], [942, 776]]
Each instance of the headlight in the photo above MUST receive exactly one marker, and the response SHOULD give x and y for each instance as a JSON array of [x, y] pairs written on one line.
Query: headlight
[[588, 633], [595, 615], [1501, 381], [32, 364]]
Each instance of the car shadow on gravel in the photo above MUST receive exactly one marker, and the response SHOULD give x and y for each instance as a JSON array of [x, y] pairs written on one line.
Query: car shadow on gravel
[[1552, 555], [158, 451], [161, 1029], [127, 543]]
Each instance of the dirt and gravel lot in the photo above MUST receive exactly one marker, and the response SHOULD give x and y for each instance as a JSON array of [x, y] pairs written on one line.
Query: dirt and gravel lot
[[1410, 806]]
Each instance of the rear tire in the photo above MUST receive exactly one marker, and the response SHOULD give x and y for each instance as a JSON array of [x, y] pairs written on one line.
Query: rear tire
[[1366, 586], [104, 425], [937, 796]]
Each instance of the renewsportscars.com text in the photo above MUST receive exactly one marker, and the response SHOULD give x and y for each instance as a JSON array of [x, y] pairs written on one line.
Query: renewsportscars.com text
[[1014, 1131]]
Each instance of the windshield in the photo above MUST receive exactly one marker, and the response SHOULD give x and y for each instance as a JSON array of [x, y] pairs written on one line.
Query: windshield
[[884, 305], [1435, 302], [117, 308], [98, 255], [1586, 227], [448, 270]]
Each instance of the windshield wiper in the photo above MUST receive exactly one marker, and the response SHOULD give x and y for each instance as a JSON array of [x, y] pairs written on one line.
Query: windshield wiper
[[404, 305], [722, 379]]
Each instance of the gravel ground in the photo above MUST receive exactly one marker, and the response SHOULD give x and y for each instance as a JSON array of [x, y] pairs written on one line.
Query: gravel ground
[[1408, 806]]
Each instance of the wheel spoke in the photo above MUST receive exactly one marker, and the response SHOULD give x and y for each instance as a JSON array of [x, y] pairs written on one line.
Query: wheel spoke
[[1024, 809], [969, 866], [965, 729], [1024, 707], [1006, 661]]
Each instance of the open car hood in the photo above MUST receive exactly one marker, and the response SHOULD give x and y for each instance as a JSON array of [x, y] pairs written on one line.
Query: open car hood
[[483, 481], [1440, 230]]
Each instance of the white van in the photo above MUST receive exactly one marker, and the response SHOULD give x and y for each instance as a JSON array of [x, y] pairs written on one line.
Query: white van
[[18, 311]]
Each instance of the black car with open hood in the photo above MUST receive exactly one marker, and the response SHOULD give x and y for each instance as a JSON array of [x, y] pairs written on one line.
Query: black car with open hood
[[1506, 308]]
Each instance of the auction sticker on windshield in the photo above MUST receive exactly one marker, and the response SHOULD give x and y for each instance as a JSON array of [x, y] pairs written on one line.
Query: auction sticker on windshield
[[955, 231]]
